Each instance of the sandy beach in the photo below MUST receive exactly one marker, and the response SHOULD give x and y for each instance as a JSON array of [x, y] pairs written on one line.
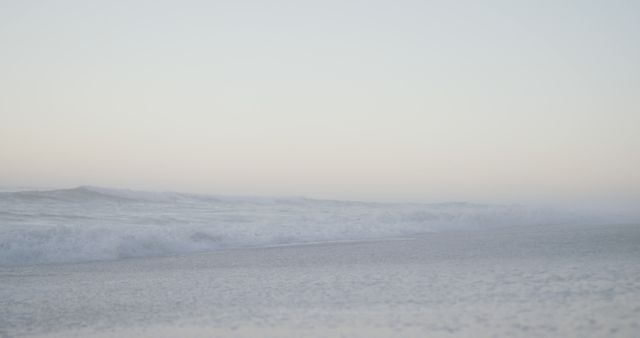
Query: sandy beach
[[513, 281]]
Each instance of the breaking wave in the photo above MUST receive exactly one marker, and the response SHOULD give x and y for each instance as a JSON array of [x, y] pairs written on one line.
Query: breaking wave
[[91, 223]]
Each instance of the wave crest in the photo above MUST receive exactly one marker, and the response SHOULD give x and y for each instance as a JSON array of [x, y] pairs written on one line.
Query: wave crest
[[92, 223]]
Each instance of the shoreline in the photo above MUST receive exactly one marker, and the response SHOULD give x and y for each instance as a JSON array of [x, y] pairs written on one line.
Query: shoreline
[[537, 280]]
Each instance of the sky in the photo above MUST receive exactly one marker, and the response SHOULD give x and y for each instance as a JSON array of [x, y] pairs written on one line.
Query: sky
[[486, 101]]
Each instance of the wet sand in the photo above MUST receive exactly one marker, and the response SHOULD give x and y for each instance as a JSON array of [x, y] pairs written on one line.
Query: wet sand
[[514, 281]]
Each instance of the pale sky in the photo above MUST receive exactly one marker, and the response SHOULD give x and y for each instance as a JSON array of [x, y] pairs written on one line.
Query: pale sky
[[487, 101]]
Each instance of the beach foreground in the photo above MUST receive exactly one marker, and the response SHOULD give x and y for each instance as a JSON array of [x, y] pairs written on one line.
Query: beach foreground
[[512, 281]]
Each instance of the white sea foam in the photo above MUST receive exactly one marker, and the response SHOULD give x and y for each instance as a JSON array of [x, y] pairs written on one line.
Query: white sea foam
[[90, 223]]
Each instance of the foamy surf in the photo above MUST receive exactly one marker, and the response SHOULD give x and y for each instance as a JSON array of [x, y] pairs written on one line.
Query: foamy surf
[[91, 223]]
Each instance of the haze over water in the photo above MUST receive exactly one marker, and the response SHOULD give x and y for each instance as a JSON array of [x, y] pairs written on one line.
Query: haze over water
[[426, 101]]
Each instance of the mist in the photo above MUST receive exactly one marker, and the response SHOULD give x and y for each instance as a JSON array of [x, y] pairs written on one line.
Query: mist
[[374, 101]]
